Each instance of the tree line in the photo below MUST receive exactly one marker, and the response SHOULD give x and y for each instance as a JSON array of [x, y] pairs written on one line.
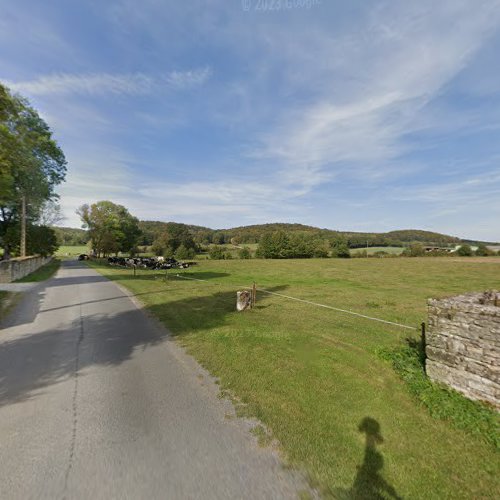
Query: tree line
[[244, 235], [31, 166], [112, 229]]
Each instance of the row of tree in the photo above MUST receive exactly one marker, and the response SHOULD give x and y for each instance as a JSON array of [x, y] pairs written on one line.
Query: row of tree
[[31, 166], [204, 236], [299, 245], [111, 229], [152, 231], [71, 236]]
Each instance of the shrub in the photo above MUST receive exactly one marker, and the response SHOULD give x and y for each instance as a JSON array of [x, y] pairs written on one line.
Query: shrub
[[360, 255], [483, 251], [184, 253], [216, 253], [244, 253], [414, 250], [465, 251], [321, 249], [340, 248]]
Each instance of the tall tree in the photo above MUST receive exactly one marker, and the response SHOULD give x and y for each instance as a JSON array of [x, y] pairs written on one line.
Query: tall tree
[[31, 164], [174, 236], [111, 228]]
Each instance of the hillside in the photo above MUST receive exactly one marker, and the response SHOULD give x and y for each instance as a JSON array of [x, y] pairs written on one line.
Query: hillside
[[71, 236], [252, 234]]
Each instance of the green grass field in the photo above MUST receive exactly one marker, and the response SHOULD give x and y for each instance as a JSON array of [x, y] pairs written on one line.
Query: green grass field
[[314, 378], [71, 251], [373, 250]]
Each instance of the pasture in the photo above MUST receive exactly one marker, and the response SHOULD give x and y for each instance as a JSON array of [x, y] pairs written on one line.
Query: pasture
[[71, 251], [373, 250], [314, 377]]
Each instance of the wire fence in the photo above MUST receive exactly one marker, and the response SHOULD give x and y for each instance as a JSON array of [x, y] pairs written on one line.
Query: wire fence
[[316, 304]]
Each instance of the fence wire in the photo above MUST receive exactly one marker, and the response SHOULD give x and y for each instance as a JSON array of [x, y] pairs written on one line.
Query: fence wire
[[324, 306]]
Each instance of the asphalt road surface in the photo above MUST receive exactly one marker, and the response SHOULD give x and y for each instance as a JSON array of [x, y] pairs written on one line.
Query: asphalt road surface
[[96, 401]]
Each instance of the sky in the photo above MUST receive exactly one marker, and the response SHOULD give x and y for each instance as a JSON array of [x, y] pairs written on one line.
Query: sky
[[361, 115]]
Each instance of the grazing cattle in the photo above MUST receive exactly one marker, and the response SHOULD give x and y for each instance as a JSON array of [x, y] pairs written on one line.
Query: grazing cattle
[[152, 263]]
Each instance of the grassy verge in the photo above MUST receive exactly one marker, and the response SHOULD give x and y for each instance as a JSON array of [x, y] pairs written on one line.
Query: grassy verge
[[313, 377], [443, 403], [42, 274], [373, 250], [4, 300]]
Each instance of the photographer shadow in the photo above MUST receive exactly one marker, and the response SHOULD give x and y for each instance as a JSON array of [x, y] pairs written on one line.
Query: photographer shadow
[[369, 483]]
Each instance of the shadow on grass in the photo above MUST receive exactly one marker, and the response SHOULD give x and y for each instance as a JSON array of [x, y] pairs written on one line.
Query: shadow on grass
[[202, 312], [369, 483], [417, 346], [128, 273]]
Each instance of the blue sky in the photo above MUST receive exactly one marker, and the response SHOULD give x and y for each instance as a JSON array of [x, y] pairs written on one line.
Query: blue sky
[[361, 115]]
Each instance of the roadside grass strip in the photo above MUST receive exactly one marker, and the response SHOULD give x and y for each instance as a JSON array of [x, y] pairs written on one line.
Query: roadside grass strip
[[316, 379], [43, 273]]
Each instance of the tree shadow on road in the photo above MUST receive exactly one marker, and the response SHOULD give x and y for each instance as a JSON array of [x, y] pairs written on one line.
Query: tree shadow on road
[[30, 364]]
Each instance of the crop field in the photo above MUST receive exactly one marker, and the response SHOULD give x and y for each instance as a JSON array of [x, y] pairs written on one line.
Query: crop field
[[315, 377]]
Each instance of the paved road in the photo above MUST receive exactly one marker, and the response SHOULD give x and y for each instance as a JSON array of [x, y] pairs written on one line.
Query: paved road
[[97, 402]]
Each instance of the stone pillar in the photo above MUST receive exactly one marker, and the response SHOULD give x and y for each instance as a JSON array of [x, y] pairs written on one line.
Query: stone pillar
[[463, 344], [243, 300]]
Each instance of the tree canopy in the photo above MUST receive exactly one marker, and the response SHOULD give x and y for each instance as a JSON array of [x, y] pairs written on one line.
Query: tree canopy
[[111, 228], [173, 237], [31, 163]]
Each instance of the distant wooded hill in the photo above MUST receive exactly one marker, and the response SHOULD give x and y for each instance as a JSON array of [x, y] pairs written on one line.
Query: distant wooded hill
[[70, 236], [252, 234]]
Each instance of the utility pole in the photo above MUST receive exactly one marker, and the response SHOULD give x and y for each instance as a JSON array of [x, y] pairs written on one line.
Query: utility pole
[[23, 226]]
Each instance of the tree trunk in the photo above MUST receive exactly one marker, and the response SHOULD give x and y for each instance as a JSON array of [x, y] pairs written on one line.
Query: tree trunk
[[23, 226]]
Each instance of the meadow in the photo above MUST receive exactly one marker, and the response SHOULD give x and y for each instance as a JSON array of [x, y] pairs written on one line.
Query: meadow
[[315, 377], [374, 250], [71, 251]]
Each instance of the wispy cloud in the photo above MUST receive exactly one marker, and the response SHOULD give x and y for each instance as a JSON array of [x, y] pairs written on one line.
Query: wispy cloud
[[186, 79], [361, 114], [209, 203], [406, 57], [95, 84]]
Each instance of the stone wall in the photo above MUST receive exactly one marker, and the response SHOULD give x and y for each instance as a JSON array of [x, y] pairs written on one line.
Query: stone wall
[[463, 344], [15, 269]]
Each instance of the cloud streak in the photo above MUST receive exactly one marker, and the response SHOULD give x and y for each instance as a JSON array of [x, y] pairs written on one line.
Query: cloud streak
[[408, 55], [95, 84], [352, 111]]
